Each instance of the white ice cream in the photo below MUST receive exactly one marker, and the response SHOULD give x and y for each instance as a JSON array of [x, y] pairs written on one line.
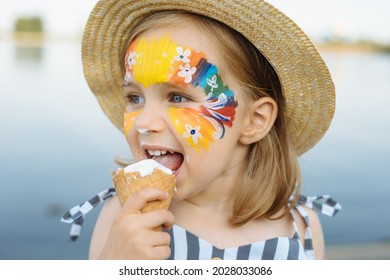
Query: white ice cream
[[146, 167]]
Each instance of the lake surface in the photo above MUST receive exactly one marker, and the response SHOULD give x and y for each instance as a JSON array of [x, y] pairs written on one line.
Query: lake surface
[[57, 148]]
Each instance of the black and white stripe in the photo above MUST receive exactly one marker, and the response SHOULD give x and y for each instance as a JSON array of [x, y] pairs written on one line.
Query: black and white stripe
[[75, 216], [187, 246], [323, 204]]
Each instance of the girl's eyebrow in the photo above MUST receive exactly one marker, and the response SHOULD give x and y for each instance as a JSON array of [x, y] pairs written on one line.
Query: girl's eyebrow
[[165, 84], [131, 85], [171, 85]]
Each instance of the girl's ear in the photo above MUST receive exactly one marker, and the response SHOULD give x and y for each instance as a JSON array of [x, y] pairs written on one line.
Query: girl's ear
[[259, 120]]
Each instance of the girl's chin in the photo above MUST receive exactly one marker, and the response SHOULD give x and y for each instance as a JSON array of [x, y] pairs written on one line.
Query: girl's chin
[[178, 195]]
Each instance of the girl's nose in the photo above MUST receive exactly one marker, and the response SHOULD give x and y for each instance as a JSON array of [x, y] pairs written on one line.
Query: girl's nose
[[151, 119]]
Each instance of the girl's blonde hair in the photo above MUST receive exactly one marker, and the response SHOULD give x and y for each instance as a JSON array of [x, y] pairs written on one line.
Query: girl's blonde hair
[[270, 172]]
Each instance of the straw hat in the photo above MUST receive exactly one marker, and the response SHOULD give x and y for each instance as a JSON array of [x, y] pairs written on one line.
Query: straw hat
[[305, 79]]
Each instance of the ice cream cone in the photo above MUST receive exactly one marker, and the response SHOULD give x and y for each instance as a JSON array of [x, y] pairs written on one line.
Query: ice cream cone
[[127, 183]]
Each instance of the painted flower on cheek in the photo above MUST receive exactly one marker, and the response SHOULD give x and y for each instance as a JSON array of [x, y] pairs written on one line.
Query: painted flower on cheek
[[196, 130], [186, 72], [192, 132]]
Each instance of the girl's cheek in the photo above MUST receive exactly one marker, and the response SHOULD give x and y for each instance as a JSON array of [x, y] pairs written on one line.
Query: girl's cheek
[[196, 129], [129, 120]]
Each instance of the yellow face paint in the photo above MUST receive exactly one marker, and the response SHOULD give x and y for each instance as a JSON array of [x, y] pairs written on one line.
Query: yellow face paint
[[162, 61], [151, 61], [129, 120], [190, 124]]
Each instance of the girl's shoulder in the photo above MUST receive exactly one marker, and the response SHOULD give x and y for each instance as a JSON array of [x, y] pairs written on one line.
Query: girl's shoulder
[[311, 224], [305, 214], [103, 225]]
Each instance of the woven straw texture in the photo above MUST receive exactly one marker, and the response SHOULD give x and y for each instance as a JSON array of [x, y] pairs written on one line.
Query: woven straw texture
[[306, 82]]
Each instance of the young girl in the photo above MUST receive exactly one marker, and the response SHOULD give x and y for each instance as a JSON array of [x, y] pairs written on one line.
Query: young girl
[[226, 95]]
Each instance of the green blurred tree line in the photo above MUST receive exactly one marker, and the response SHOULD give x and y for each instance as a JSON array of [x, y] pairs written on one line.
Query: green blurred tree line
[[28, 24]]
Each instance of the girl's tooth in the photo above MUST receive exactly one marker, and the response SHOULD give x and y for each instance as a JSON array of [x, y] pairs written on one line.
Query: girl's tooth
[[158, 152]]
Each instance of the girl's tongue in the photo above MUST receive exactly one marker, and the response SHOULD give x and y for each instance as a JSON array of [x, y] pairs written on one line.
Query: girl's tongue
[[169, 160]]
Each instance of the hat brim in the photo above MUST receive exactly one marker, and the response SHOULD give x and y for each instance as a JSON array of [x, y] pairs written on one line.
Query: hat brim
[[305, 79]]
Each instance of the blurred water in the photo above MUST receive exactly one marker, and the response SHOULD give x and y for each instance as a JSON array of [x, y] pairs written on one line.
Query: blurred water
[[352, 163], [57, 148]]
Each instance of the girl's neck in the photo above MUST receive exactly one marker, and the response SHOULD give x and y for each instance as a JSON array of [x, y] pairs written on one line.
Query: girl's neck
[[213, 205], [218, 196], [215, 202]]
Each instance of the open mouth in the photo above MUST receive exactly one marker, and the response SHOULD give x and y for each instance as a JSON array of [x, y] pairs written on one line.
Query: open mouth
[[170, 159]]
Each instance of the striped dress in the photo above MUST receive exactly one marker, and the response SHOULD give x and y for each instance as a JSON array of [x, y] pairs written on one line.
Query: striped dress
[[187, 246]]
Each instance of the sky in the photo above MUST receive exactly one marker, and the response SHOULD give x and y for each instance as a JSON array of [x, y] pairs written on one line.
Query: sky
[[354, 19]]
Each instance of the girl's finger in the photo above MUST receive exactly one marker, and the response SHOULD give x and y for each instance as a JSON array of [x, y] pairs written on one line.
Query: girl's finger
[[160, 217], [159, 238], [161, 252], [141, 197]]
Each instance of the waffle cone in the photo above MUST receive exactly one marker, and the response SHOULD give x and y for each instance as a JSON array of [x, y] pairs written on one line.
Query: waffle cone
[[128, 183]]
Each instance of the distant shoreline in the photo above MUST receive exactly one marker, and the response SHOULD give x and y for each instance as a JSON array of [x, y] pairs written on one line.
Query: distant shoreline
[[38, 38], [356, 47]]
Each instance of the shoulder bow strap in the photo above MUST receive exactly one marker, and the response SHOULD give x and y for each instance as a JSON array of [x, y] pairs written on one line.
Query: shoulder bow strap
[[323, 204], [75, 216]]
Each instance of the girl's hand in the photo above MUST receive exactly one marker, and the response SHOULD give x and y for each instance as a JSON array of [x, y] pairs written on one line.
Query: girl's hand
[[132, 235]]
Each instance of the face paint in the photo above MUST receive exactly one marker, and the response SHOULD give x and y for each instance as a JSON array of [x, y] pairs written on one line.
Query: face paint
[[196, 129], [129, 120], [163, 61]]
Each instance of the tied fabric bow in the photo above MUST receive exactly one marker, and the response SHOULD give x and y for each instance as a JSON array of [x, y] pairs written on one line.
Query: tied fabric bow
[[323, 204], [75, 216]]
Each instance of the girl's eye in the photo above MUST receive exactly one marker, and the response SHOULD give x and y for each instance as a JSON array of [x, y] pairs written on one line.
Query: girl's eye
[[177, 98], [135, 99]]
